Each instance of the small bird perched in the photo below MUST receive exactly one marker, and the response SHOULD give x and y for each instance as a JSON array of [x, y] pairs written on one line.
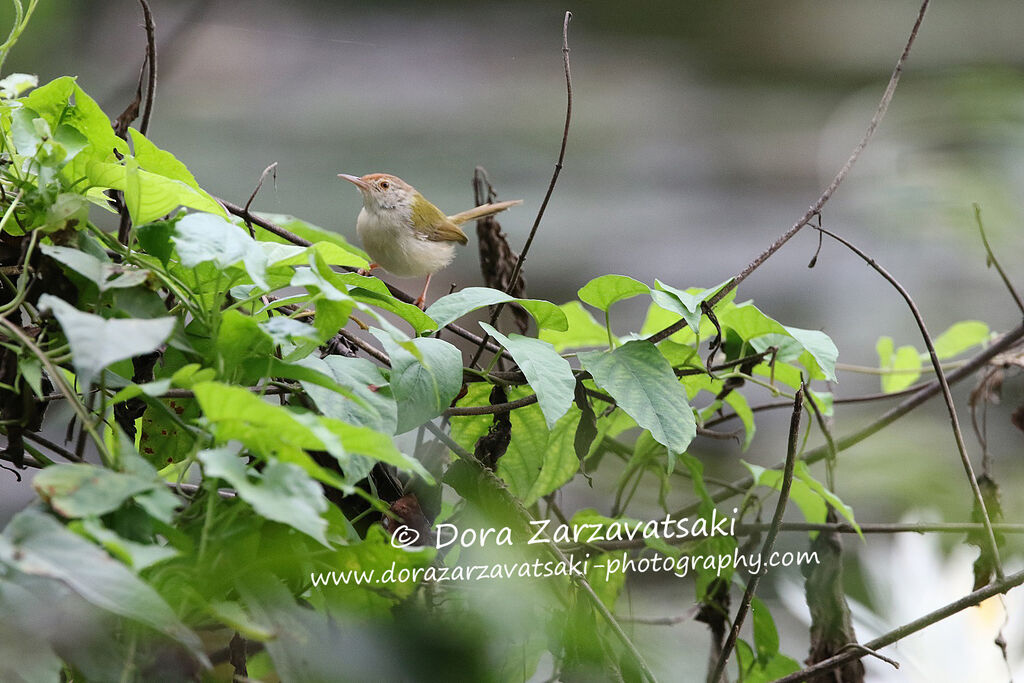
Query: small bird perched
[[404, 233]]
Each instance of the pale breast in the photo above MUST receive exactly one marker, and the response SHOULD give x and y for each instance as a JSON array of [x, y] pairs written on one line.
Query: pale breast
[[399, 250]]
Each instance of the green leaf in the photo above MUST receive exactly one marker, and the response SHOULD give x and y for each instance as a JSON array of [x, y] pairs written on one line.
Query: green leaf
[[603, 291], [152, 195], [105, 275], [808, 493], [305, 230], [161, 162], [363, 378], [821, 347], [240, 344], [538, 460], [97, 342], [549, 374], [281, 492], [757, 670], [901, 367], [449, 308], [36, 544], [155, 239], [53, 102], [642, 383], [960, 337], [581, 329], [766, 637], [685, 303], [423, 388], [83, 490], [204, 237], [275, 431], [332, 254]]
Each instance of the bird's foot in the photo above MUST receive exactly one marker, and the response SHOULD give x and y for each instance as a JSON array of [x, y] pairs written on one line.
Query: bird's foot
[[366, 271]]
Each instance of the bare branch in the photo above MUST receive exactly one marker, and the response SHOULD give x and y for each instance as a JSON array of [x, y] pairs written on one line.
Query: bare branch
[[147, 108], [815, 208], [946, 395], [514, 278], [769, 540], [992, 260]]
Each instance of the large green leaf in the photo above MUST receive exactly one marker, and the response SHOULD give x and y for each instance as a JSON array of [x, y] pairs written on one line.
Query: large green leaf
[[159, 161], [365, 380], [603, 291], [36, 544], [281, 492], [449, 308], [538, 460], [205, 237], [549, 374], [275, 431], [812, 348], [53, 102], [97, 342], [642, 383], [423, 387], [151, 195]]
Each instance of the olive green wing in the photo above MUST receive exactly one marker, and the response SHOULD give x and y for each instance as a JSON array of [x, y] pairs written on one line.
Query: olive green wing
[[428, 220]]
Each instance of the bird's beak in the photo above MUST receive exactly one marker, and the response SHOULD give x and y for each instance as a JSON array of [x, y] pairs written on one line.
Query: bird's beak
[[358, 182]]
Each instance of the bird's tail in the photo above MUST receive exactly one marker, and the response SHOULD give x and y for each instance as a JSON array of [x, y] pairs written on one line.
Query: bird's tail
[[481, 211]]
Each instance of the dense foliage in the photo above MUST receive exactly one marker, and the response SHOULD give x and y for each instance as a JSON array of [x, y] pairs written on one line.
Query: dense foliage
[[234, 389]]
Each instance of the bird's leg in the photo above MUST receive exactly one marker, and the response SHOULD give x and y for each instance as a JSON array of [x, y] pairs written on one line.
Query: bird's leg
[[423, 295], [366, 271]]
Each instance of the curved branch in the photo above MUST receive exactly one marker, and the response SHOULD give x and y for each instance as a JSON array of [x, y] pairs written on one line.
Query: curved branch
[[769, 540], [514, 278], [947, 396], [815, 208]]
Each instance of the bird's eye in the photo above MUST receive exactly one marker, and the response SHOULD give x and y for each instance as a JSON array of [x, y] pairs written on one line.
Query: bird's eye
[[384, 185]]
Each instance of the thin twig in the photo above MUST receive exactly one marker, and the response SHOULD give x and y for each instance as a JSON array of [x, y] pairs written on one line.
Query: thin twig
[[815, 208], [896, 412], [57, 377], [868, 651], [823, 426], [992, 259], [147, 111], [517, 270], [997, 587], [56, 448], [272, 168], [946, 395], [369, 349], [662, 621], [769, 540]]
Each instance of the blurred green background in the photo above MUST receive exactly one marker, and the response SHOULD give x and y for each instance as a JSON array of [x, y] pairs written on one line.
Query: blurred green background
[[701, 131]]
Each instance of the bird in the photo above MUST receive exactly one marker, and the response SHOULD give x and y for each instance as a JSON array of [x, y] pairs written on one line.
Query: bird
[[404, 233]]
